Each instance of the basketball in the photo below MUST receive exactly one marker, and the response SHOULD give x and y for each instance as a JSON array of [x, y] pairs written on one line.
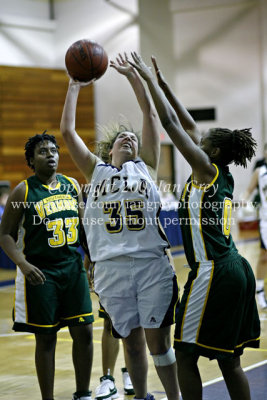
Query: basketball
[[86, 60]]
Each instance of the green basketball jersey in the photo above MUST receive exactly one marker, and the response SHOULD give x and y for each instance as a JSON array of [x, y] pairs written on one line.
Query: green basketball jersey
[[205, 218], [49, 231]]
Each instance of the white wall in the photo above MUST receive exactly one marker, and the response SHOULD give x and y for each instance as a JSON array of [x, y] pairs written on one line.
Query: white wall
[[213, 52], [26, 33], [217, 55], [40, 42], [116, 30]]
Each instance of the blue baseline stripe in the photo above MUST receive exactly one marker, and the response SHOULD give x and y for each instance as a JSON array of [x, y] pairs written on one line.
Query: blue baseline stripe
[[258, 385], [7, 283]]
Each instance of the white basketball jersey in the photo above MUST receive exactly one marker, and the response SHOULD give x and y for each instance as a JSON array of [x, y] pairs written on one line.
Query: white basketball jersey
[[263, 191], [121, 215]]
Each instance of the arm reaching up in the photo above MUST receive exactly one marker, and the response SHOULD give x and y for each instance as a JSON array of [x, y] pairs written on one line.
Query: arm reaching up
[[202, 168], [150, 151], [186, 120], [81, 155]]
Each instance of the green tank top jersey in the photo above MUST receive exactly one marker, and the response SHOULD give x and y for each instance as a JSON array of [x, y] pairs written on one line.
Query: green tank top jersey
[[205, 218], [49, 231]]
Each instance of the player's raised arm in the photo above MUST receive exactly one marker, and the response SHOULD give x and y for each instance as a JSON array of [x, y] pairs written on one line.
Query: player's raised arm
[[81, 155], [202, 168], [150, 150], [184, 116]]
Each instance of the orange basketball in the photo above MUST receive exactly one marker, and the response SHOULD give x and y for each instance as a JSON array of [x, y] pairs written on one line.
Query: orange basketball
[[86, 60]]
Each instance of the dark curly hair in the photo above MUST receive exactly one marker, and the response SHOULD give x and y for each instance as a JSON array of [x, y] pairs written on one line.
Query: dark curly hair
[[236, 146], [33, 141]]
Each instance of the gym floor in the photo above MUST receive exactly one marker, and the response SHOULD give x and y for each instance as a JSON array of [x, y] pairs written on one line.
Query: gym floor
[[17, 371]]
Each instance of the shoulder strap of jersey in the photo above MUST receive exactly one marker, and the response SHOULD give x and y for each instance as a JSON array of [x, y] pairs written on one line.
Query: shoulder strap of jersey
[[27, 189], [72, 182]]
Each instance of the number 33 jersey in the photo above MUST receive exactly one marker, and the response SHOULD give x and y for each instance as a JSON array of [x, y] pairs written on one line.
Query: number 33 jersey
[[121, 215], [49, 230]]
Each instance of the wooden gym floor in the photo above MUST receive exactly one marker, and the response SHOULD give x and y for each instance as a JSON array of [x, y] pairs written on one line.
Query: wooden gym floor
[[17, 371]]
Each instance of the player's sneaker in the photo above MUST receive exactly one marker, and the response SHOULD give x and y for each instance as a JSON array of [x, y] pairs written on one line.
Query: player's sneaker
[[106, 389], [261, 299], [127, 383], [83, 397]]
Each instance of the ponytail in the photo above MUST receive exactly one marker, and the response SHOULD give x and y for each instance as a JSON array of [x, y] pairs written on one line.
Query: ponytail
[[236, 146]]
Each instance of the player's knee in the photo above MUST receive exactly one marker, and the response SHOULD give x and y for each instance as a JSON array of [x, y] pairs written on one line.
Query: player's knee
[[135, 349], [163, 360], [46, 342], [229, 365]]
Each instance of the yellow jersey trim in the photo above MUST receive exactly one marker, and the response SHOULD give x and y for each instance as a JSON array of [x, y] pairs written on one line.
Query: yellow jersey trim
[[72, 182], [27, 189], [200, 226], [51, 188], [205, 187]]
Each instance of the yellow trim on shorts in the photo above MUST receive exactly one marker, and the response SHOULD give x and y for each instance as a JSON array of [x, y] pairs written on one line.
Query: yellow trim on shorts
[[25, 298], [178, 298], [215, 348], [247, 341], [190, 225], [77, 316], [206, 299], [40, 326], [203, 345], [187, 301]]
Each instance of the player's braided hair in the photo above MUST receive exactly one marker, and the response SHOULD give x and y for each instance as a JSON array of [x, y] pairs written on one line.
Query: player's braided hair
[[110, 134], [236, 146], [33, 141]]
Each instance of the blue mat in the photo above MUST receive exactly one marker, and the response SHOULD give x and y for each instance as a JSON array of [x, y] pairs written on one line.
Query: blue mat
[[257, 378]]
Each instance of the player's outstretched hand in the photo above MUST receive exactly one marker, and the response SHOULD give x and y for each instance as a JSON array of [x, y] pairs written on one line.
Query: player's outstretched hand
[[122, 65], [161, 80], [141, 67], [33, 274], [74, 82]]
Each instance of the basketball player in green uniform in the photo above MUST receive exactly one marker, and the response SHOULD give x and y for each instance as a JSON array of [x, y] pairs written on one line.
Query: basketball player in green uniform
[[40, 232], [218, 316]]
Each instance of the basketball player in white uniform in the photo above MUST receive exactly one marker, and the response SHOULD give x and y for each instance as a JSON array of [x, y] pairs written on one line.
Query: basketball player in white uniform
[[259, 179], [135, 282]]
